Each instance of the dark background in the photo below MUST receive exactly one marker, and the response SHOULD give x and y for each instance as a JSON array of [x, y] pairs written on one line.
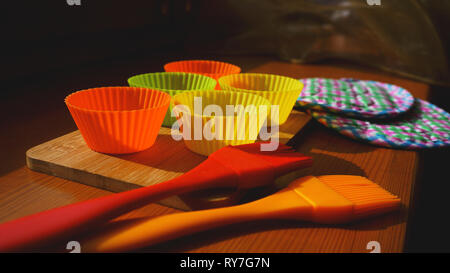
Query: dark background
[[50, 49]]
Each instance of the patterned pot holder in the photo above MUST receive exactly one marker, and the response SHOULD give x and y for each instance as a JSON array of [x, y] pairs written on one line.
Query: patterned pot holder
[[424, 126], [354, 98]]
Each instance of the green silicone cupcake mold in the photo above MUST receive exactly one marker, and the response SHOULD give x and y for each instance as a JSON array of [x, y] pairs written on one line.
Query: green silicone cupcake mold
[[172, 83]]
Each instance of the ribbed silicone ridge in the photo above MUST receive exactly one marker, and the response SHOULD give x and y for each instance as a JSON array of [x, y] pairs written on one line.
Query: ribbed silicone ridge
[[213, 69], [278, 90], [172, 83], [240, 128], [118, 120]]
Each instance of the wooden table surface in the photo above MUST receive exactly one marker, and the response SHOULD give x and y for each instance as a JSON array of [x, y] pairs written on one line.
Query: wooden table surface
[[23, 191]]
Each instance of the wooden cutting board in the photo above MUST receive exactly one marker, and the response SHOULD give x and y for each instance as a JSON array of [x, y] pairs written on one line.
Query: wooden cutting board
[[68, 157]]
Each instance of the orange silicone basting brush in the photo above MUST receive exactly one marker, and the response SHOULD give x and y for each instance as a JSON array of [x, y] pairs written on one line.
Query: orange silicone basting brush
[[331, 199], [243, 166]]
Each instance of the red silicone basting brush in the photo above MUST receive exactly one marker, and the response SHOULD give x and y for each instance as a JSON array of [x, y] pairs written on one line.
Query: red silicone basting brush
[[243, 166]]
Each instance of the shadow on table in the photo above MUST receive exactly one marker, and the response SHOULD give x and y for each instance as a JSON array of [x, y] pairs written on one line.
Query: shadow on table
[[316, 136], [166, 154]]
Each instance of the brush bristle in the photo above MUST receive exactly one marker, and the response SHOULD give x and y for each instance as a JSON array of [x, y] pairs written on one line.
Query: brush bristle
[[367, 197], [283, 160]]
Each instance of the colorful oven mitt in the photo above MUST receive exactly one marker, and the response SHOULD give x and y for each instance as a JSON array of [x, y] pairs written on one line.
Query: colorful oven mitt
[[424, 126], [354, 98]]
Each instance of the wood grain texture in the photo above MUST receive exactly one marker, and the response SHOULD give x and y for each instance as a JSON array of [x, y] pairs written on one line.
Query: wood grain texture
[[23, 191]]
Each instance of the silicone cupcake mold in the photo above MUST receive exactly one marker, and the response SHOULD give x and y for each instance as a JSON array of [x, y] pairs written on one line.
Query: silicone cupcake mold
[[172, 83], [278, 90], [117, 120], [213, 69], [241, 125]]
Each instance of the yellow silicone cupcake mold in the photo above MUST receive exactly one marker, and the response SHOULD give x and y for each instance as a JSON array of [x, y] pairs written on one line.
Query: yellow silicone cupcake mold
[[206, 130], [278, 90]]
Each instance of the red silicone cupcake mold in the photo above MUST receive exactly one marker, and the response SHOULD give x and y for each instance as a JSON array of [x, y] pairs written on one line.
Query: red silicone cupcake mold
[[213, 69], [118, 120]]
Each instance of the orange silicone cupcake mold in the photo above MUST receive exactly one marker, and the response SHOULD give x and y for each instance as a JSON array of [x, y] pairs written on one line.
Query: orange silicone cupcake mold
[[118, 120], [213, 69]]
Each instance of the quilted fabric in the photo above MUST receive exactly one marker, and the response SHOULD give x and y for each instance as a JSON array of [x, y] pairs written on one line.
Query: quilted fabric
[[354, 98], [424, 126]]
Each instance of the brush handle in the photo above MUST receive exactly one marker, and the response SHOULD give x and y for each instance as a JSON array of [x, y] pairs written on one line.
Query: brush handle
[[148, 231], [30, 232]]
